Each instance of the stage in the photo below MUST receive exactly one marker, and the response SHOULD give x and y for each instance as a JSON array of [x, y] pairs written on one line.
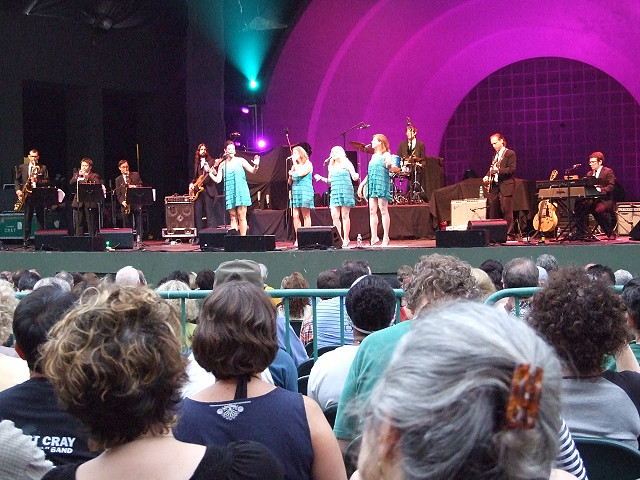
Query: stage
[[158, 258]]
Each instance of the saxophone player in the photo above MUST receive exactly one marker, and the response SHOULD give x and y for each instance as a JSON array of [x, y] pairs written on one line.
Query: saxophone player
[[124, 180], [29, 176]]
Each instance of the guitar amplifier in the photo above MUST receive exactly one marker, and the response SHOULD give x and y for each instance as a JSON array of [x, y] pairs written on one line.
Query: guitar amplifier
[[463, 211], [179, 215], [177, 199], [627, 215]]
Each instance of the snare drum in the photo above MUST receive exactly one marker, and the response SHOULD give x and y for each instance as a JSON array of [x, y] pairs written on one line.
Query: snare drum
[[396, 163]]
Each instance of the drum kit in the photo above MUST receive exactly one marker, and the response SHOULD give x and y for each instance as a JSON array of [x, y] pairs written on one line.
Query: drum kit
[[401, 172]]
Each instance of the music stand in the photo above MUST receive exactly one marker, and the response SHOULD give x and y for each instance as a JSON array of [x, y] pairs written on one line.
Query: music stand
[[45, 198], [138, 197], [90, 192]]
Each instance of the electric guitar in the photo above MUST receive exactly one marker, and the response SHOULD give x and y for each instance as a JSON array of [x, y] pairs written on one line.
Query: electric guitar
[[546, 219]]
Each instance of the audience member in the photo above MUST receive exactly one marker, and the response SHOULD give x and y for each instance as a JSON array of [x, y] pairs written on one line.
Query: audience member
[[66, 276], [602, 272], [466, 429], [13, 369], [631, 297], [328, 279], [584, 320], [519, 273], [57, 282], [299, 307], [235, 340], [622, 276], [435, 278], [28, 280], [128, 276], [205, 279], [494, 270], [20, 458], [116, 363], [191, 308], [548, 262], [543, 275], [371, 306], [404, 274], [484, 282], [32, 405]]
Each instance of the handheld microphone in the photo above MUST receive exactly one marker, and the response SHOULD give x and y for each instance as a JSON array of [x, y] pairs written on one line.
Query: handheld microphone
[[408, 121], [289, 157], [325, 162], [367, 145], [364, 125], [576, 165], [286, 131]]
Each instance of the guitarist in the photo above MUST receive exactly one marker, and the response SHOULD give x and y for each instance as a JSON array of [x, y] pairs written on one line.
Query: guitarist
[[204, 203], [501, 182], [27, 172]]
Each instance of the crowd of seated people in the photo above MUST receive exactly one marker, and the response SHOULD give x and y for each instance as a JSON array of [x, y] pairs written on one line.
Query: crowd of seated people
[[253, 386]]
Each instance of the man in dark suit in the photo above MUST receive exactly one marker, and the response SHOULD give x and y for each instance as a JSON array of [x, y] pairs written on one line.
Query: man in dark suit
[[85, 212], [502, 183], [31, 175], [413, 152], [127, 178], [602, 208]]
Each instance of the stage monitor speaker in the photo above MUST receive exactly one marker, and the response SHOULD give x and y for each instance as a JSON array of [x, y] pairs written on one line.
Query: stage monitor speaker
[[634, 234], [249, 243], [497, 229], [120, 238], [58, 240], [462, 238], [212, 239], [318, 238]]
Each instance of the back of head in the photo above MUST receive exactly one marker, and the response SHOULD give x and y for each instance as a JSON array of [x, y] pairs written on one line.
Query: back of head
[[191, 305], [236, 332], [328, 279], [461, 431], [116, 363], [548, 262], [127, 276], [494, 269], [205, 279], [33, 318], [371, 304], [485, 284], [350, 271], [8, 303], [601, 272], [520, 272], [180, 275], [56, 282], [583, 319], [238, 270], [631, 298], [440, 278], [622, 276], [296, 305], [28, 280]]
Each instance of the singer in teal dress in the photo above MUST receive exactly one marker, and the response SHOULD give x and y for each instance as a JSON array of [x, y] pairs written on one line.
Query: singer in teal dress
[[341, 176], [300, 179], [237, 197]]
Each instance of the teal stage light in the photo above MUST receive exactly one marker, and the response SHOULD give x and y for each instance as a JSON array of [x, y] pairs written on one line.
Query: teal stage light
[[253, 84]]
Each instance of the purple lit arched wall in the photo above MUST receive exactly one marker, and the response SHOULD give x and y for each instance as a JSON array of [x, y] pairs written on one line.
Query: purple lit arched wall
[[381, 61]]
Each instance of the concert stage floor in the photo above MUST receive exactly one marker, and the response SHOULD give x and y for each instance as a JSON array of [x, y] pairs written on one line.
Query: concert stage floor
[[157, 258]]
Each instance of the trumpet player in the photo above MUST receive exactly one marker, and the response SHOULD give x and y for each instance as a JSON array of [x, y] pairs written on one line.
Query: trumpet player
[[85, 211], [124, 180], [29, 176]]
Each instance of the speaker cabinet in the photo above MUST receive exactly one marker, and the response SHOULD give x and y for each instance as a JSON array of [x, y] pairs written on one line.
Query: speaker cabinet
[[249, 243], [462, 238], [119, 238], [58, 240], [318, 238], [179, 214], [634, 234], [212, 239], [628, 215], [497, 229]]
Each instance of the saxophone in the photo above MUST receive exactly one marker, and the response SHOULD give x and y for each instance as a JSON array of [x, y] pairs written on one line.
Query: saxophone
[[27, 189], [126, 208]]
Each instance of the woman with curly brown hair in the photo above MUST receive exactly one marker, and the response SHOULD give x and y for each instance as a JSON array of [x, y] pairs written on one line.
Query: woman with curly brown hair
[[116, 363], [584, 320]]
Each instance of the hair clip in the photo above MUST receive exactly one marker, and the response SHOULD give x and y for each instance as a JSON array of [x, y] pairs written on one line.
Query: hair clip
[[524, 399]]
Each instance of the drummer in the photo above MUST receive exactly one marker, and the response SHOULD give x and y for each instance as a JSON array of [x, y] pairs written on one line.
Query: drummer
[[413, 152], [378, 186]]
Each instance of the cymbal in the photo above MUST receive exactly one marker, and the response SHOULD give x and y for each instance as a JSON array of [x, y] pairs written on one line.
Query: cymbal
[[361, 147], [413, 159]]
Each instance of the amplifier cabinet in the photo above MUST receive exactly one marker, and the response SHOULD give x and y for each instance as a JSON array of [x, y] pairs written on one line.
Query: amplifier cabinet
[[463, 211], [627, 215], [179, 215]]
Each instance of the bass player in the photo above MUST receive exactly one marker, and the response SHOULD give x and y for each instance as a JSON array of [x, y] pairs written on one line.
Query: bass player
[[202, 189], [29, 176]]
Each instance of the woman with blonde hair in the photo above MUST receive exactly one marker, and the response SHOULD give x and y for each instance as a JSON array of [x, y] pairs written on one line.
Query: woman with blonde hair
[[378, 185], [300, 176], [340, 177]]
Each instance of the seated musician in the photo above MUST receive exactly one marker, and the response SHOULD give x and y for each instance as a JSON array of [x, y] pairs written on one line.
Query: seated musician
[[602, 207], [413, 149], [126, 179]]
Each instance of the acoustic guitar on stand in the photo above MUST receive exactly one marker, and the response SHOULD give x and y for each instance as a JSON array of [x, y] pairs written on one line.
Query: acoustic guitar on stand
[[546, 220]]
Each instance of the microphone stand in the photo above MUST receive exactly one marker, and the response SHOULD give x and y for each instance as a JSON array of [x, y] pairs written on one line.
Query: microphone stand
[[288, 218], [344, 134]]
